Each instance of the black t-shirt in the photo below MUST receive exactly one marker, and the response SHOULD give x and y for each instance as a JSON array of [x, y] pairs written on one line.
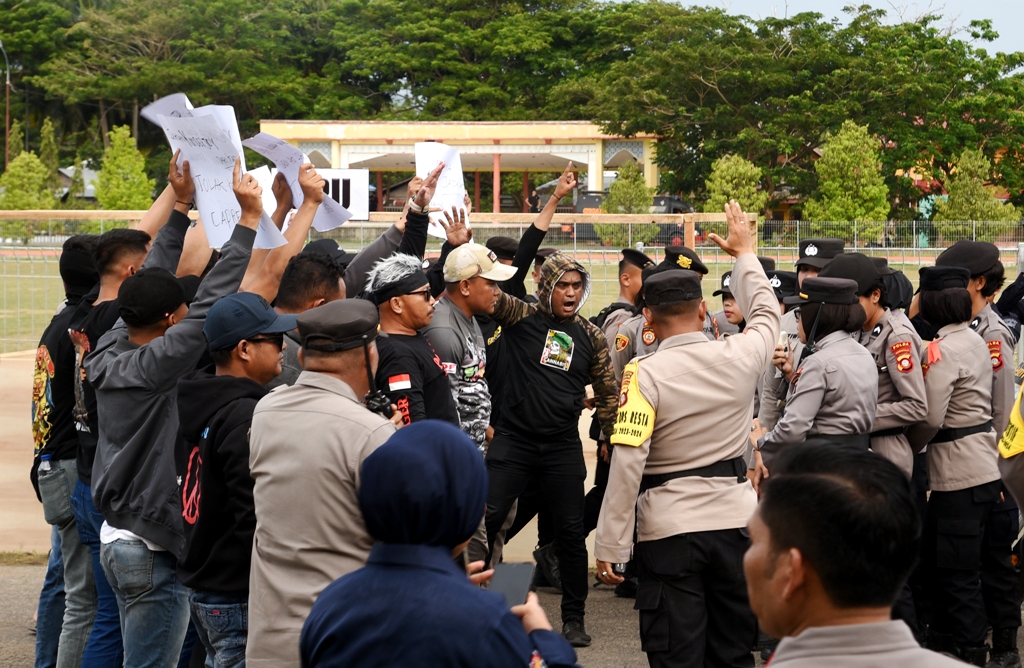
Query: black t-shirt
[[53, 394], [87, 325], [411, 375]]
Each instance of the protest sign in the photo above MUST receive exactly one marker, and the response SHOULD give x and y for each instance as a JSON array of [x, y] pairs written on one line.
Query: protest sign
[[349, 188], [288, 159], [211, 155], [451, 190]]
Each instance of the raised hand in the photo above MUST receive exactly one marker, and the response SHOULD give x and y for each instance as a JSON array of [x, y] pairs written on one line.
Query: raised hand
[[739, 241], [249, 195], [455, 227], [312, 184], [566, 183], [181, 180], [426, 191], [282, 192]]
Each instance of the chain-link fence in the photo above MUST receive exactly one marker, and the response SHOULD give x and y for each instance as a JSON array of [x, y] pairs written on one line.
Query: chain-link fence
[[32, 290]]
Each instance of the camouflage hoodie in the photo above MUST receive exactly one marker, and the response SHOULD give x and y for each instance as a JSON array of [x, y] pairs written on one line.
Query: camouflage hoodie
[[554, 360]]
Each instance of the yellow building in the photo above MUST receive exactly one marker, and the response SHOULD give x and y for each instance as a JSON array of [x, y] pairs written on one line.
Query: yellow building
[[514, 146]]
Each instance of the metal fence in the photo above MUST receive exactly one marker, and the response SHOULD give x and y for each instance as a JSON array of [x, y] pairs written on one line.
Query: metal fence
[[32, 289]]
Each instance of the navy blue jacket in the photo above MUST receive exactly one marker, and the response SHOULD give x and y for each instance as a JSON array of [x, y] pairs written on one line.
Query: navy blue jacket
[[412, 606]]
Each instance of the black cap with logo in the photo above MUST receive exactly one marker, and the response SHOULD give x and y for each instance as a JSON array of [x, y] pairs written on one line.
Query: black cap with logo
[[681, 257], [818, 252]]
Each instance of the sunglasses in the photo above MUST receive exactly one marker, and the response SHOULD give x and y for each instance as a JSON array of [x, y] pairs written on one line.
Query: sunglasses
[[425, 293], [276, 339]]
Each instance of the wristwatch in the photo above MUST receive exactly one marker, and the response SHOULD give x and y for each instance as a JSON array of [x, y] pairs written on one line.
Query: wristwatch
[[415, 208]]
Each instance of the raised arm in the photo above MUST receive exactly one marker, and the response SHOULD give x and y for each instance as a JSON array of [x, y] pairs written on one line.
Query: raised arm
[[414, 241], [166, 249], [534, 235], [283, 197], [156, 217]]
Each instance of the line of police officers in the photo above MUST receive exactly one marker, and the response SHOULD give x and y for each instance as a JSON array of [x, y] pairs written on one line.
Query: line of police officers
[[702, 412]]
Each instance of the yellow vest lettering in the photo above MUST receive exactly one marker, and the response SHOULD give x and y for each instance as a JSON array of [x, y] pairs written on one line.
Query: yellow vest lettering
[[634, 422]]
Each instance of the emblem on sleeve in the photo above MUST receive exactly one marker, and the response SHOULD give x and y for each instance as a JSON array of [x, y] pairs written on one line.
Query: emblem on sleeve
[[621, 341], [796, 376], [648, 335], [995, 351], [904, 356]]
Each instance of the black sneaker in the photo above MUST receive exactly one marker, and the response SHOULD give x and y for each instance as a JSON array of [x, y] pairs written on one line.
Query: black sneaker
[[1009, 659], [574, 632]]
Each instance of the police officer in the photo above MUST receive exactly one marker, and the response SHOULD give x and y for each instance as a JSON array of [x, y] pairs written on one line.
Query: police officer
[[680, 436], [723, 324], [814, 255], [1000, 583], [896, 348], [962, 472], [834, 390], [631, 268]]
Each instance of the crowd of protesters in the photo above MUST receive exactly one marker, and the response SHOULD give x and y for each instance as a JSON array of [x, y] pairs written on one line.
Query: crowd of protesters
[[303, 456]]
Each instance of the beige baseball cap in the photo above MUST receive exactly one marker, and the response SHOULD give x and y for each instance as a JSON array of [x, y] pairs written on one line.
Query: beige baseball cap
[[472, 260]]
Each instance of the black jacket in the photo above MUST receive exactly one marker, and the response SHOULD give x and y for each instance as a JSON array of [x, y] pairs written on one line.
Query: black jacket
[[212, 461]]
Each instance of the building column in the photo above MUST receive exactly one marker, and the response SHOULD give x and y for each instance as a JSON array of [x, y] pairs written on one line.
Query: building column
[[595, 167], [476, 191], [651, 172], [335, 154], [526, 191], [380, 191], [497, 183]]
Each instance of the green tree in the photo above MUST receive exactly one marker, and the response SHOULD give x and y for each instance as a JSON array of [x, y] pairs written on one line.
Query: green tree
[[850, 185], [969, 200], [17, 140], [627, 194], [77, 186], [48, 154], [733, 177], [24, 185], [122, 181]]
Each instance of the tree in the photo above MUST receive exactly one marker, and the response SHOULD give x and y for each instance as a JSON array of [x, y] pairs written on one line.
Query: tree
[[77, 187], [48, 154], [24, 185], [122, 182], [17, 140], [850, 185], [971, 200], [733, 177], [627, 194]]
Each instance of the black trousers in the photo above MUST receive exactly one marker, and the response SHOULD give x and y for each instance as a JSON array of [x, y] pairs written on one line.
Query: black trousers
[[595, 497], [1000, 584], [952, 546], [692, 599], [531, 504], [512, 463]]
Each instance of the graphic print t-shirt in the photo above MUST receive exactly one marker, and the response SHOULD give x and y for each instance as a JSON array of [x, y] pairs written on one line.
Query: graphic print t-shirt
[[411, 374], [53, 426]]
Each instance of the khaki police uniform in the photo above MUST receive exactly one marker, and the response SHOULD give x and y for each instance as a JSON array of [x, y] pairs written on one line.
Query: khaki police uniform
[[857, 646], [686, 407], [774, 385]]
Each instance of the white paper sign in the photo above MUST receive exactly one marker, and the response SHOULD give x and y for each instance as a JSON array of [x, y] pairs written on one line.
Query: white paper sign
[[211, 155], [265, 178], [288, 159], [349, 188], [175, 106], [451, 189]]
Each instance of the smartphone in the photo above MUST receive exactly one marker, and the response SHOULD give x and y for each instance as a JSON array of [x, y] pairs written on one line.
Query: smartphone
[[513, 581], [784, 340]]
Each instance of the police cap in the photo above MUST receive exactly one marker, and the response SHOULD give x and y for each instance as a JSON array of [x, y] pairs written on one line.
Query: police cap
[[818, 252], [543, 254], [856, 267], [339, 325], [825, 291], [940, 278], [682, 257], [672, 287], [882, 265], [975, 256], [636, 258], [783, 282], [503, 247], [726, 288], [767, 263]]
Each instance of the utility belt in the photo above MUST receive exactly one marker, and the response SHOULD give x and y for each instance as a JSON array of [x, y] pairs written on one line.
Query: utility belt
[[730, 467], [859, 441], [947, 435], [895, 431]]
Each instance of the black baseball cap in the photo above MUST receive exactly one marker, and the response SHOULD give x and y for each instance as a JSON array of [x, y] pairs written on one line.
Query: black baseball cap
[[818, 252], [503, 247], [543, 254], [636, 258], [148, 296], [975, 256], [856, 267], [241, 316], [726, 288], [767, 263], [682, 257], [339, 325], [330, 248], [940, 278], [825, 291], [672, 286]]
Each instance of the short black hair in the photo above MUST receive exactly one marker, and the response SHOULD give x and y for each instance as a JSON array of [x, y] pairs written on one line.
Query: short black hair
[[222, 357], [945, 307], [834, 318], [674, 309], [994, 279], [112, 246], [308, 278], [851, 514]]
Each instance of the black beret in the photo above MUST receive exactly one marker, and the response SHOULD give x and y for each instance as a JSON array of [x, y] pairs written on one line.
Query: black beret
[[825, 291], [504, 247], [856, 267], [940, 278], [148, 296], [882, 265], [636, 258], [783, 282], [767, 263], [339, 325], [818, 252], [975, 256], [543, 254], [672, 287], [726, 288], [684, 258]]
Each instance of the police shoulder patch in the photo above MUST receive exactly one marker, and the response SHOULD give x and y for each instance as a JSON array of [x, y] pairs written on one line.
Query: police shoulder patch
[[634, 422], [902, 351], [995, 351], [648, 334], [796, 376], [621, 341]]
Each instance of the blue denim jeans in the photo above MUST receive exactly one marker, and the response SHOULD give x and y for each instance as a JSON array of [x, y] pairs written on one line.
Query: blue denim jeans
[[222, 622], [55, 488], [50, 616], [153, 604], [104, 649]]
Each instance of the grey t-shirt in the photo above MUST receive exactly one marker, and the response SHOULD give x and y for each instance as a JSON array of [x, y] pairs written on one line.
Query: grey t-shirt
[[290, 367]]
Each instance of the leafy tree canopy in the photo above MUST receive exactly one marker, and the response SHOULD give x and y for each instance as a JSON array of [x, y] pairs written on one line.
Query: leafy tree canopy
[[122, 182]]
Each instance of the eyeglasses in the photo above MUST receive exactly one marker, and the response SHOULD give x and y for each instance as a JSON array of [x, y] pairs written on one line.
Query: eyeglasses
[[796, 313], [425, 293], [276, 339]]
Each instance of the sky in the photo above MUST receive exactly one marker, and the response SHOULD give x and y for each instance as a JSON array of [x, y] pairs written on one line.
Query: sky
[[1007, 15]]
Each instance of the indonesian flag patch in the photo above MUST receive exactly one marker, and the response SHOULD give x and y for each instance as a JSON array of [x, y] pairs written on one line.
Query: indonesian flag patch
[[399, 382], [995, 351], [904, 356], [449, 368]]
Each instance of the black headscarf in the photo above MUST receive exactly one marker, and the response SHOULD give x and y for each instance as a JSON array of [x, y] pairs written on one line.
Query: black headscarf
[[426, 486]]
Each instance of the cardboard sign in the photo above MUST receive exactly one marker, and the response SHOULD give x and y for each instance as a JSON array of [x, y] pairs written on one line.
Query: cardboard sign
[[451, 190], [330, 214], [211, 155], [349, 188]]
